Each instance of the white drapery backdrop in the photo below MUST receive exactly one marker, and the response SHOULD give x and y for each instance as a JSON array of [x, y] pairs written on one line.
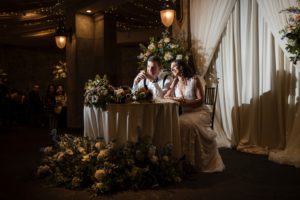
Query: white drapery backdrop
[[258, 89]]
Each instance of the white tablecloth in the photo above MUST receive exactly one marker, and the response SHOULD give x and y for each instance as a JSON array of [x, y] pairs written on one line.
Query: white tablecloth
[[129, 122]]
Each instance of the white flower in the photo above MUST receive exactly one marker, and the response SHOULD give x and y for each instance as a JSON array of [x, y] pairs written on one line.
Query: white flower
[[102, 154], [186, 57], [63, 75], [151, 46], [60, 156], [95, 99], [99, 186], [168, 56], [179, 57], [165, 158], [86, 158], [99, 145], [174, 46], [177, 179], [154, 159], [69, 152], [99, 174], [167, 40], [141, 56], [119, 92], [81, 150]]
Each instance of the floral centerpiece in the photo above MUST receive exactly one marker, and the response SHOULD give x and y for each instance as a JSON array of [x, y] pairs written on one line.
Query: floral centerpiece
[[142, 94], [167, 49], [122, 94], [60, 70], [292, 32], [98, 92], [76, 162]]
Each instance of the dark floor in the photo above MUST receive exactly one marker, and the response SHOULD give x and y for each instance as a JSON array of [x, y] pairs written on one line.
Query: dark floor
[[245, 177]]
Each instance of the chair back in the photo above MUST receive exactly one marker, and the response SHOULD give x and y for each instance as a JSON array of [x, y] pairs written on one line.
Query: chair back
[[210, 98]]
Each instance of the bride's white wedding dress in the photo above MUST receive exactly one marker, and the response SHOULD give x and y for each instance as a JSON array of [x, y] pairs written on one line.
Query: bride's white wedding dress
[[198, 140]]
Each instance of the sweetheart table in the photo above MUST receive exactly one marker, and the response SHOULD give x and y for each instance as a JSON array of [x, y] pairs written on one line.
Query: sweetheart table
[[134, 121]]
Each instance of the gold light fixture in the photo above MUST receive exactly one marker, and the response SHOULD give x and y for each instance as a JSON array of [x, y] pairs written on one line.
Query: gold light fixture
[[61, 36], [167, 13]]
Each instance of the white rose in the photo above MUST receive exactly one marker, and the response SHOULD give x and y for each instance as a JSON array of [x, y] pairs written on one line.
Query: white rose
[[119, 91], [99, 174], [99, 185], [69, 152], [165, 158], [81, 150], [141, 56], [99, 145], [60, 156], [102, 154], [154, 159], [168, 56], [166, 40], [86, 158], [179, 57], [151, 47]]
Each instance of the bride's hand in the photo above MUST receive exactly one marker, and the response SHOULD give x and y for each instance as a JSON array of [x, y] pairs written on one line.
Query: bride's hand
[[181, 100]]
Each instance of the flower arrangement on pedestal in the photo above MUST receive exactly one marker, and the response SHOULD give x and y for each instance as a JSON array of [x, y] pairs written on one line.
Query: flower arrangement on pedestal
[[76, 162], [60, 71], [167, 49], [292, 33], [98, 92]]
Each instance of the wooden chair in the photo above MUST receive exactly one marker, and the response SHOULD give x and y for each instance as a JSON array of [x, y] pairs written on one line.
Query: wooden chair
[[210, 98]]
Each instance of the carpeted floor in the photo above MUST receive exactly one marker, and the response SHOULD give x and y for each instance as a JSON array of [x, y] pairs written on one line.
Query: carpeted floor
[[246, 176]]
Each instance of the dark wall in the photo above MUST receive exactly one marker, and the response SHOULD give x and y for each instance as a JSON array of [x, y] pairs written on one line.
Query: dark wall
[[26, 66]]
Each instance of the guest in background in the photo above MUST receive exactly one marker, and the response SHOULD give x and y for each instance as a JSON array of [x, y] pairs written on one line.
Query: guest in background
[[50, 103], [35, 105], [155, 79], [4, 102], [60, 108]]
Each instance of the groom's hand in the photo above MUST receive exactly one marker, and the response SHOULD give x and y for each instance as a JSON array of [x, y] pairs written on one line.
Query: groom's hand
[[139, 77]]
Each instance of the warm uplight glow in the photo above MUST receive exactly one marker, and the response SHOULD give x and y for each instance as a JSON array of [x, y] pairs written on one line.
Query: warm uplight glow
[[167, 17], [88, 11], [60, 41]]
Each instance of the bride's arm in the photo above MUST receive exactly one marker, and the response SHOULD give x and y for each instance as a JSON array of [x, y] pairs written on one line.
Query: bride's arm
[[170, 93], [199, 95]]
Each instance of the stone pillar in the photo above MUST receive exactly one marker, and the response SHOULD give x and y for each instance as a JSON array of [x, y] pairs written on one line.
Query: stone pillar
[[91, 52]]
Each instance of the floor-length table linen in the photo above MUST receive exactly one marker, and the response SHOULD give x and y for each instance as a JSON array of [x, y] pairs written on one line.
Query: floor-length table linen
[[134, 121]]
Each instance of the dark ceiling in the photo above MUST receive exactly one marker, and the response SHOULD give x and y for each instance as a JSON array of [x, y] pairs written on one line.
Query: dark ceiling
[[27, 21]]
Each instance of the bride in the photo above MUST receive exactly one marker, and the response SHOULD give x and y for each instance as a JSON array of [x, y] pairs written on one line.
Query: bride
[[197, 138]]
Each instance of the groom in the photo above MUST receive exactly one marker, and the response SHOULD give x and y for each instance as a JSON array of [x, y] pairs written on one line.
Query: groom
[[154, 79]]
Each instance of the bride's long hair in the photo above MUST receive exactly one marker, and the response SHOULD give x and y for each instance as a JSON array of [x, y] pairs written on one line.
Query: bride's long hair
[[184, 68]]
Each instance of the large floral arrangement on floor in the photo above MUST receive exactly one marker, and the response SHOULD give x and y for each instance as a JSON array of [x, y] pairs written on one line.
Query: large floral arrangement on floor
[[76, 162], [167, 49], [292, 33]]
